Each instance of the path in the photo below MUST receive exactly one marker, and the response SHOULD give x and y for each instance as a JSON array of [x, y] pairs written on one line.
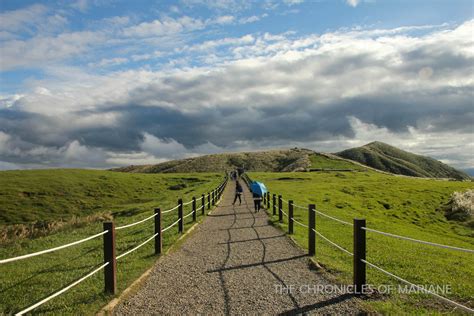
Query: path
[[235, 263]]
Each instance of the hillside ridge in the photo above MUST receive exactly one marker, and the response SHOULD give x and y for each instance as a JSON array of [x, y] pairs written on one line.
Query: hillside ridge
[[387, 158]]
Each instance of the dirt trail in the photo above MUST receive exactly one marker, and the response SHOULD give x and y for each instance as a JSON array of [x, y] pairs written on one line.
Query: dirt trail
[[235, 262]]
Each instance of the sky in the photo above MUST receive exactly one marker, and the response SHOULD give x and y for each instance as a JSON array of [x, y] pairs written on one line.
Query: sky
[[107, 83]]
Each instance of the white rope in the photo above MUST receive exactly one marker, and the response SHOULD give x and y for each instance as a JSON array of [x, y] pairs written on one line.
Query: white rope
[[333, 218], [170, 210], [189, 214], [62, 290], [53, 249], [301, 207], [284, 200], [163, 230], [135, 248], [187, 203], [418, 241], [136, 223], [332, 243], [284, 212], [300, 223], [419, 287]]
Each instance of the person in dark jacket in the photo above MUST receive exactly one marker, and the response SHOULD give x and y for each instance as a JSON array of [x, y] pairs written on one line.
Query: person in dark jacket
[[257, 200], [238, 192]]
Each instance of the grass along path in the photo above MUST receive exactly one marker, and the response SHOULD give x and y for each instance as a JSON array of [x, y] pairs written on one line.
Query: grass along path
[[25, 282], [402, 206]]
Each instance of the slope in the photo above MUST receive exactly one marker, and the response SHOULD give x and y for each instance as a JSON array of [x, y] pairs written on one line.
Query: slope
[[387, 158]]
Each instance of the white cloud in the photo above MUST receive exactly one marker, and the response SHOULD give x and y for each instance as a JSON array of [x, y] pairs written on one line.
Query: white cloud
[[165, 26], [250, 19], [353, 3], [294, 2], [224, 19], [107, 62], [43, 50], [81, 5], [22, 19]]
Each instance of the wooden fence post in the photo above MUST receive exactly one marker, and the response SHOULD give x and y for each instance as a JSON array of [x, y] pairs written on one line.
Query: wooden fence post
[[158, 238], [208, 200], [194, 209], [359, 255], [268, 200], [180, 216], [280, 209], [290, 217], [311, 229], [110, 270], [203, 208], [213, 198], [274, 204]]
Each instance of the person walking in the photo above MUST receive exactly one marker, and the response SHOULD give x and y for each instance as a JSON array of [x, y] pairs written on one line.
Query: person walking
[[238, 192], [257, 200]]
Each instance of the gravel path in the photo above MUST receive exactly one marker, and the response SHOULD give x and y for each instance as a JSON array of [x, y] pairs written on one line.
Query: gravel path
[[235, 263]]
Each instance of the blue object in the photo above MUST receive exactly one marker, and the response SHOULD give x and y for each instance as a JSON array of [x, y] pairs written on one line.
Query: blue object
[[258, 188]]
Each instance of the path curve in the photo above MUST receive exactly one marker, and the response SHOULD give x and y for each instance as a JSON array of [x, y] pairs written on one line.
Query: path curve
[[235, 262]]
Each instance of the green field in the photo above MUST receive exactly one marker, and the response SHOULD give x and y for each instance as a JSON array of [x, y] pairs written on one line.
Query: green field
[[399, 205], [53, 195]]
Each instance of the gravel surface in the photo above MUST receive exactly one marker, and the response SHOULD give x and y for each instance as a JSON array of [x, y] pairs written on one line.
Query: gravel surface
[[235, 263]]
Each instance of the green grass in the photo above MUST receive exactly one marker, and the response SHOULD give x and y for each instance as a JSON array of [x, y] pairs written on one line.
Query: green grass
[[392, 204], [130, 197], [391, 159], [322, 162]]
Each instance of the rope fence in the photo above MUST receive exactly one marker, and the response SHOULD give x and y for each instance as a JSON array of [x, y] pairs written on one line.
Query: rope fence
[[137, 247], [109, 266], [53, 249], [359, 243], [418, 241], [447, 300], [61, 291], [136, 223]]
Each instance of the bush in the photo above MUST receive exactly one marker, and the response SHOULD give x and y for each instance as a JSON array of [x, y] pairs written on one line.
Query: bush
[[461, 206]]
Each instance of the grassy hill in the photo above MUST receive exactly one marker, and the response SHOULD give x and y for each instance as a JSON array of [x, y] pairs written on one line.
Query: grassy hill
[[62, 194], [273, 160], [286, 160], [391, 159]]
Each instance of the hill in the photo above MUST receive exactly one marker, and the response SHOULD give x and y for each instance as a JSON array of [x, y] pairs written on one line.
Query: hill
[[285, 160], [387, 158], [53, 195]]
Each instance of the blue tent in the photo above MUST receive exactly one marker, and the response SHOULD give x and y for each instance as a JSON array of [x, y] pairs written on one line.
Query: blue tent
[[258, 188]]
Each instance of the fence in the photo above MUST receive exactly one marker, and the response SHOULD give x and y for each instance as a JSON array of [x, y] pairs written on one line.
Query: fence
[[110, 257], [275, 202]]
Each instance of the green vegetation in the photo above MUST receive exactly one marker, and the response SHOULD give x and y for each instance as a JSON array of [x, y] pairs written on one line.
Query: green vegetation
[[326, 162], [60, 194], [272, 160], [390, 159], [404, 206]]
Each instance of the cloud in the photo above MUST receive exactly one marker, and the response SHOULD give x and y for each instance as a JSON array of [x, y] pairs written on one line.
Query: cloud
[[165, 26], [326, 92], [224, 19], [41, 50], [220, 5], [22, 19], [353, 3]]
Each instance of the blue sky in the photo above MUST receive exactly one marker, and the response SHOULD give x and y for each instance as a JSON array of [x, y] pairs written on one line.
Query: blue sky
[[100, 83]]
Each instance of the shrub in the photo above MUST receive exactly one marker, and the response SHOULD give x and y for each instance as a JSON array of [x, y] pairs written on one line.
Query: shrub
[[461, 206]]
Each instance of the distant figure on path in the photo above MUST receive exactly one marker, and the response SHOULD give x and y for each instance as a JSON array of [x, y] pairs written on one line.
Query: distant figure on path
[[238, 193], [257, 200]]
